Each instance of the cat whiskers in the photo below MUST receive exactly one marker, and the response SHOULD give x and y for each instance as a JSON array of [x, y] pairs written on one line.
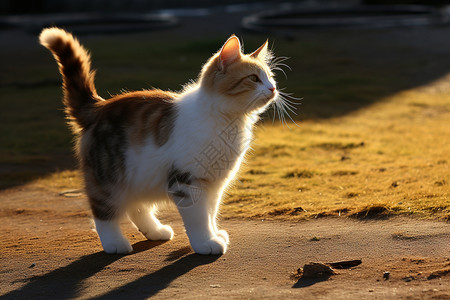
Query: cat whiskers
[[284, 105], [277, 64]]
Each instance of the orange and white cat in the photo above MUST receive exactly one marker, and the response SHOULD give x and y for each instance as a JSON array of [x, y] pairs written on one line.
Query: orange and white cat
[[140, 149]]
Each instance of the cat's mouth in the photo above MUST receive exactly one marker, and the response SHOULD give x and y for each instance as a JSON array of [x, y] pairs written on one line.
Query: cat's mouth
[[271, 98], [264, 101]]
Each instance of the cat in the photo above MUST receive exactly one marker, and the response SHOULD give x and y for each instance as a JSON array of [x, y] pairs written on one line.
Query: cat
[[139, 150]]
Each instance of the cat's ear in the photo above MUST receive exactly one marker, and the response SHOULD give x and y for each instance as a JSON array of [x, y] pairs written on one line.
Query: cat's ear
[[261, 52], [231, 51]]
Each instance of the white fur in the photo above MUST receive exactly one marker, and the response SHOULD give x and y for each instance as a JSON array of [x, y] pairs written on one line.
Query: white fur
[[111, 237], [49, 35], [143, 216]]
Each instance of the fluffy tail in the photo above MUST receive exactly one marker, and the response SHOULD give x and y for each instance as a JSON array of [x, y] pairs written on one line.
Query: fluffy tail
[[74, 64]]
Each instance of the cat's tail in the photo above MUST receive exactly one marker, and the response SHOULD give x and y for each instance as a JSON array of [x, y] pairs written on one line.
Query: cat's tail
[[80, 95]]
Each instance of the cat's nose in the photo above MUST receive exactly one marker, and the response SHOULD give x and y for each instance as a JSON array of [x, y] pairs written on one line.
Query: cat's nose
[[272, 89]]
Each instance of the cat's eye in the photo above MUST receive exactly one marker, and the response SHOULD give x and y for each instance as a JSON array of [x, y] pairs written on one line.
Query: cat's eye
[[254, 78]]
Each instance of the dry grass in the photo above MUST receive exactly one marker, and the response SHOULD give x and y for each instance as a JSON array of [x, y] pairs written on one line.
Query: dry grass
[[60, 181], [391, 158]]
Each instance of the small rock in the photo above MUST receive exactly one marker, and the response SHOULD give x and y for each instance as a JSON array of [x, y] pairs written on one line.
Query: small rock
[[71, 193], [32, 266], [316, 270], [438, 274], [408, 278], [386, 275]]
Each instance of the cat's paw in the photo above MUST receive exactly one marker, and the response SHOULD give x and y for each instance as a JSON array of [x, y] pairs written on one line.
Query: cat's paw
[[117, 246], [215, 245], [223, 234], [163, 233]]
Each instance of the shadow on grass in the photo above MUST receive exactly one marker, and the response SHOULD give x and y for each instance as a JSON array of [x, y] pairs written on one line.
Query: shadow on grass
[[19, 174]]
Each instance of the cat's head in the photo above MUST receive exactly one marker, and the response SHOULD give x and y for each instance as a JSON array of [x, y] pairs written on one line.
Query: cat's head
[[245, 83]]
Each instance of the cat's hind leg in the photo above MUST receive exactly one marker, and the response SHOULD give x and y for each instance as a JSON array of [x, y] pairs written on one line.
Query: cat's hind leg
[[144, 218], [107, 218], [111, 237]]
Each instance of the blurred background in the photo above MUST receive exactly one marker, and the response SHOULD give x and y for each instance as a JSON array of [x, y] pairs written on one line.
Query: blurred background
[[345, 59], [53, 6]]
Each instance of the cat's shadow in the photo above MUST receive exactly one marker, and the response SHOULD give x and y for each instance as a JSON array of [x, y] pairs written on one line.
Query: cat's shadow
[[67, 282]]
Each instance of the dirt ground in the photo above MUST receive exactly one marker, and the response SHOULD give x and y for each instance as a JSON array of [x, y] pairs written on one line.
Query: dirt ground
[[49, 251]]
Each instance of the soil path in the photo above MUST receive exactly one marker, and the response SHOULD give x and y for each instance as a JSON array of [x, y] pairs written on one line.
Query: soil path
[[49, 251]]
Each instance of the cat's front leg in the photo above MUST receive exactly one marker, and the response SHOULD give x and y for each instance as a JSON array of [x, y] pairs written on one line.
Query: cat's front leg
[[146, 221], [197, 206], [203, 238], [220, 232]]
